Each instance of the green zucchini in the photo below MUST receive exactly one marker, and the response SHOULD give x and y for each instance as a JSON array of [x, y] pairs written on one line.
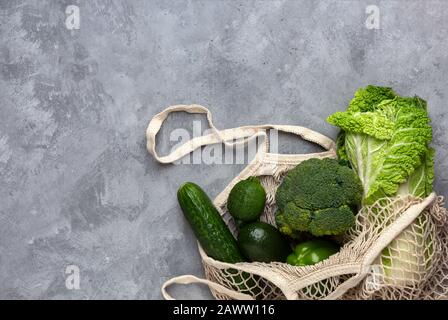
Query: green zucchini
[[207, 224]]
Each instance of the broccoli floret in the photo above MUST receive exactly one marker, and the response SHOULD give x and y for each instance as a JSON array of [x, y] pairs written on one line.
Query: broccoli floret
[[318, 196], [332, 221]]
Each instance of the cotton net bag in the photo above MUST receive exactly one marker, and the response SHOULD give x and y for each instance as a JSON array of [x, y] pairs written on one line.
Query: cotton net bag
[[398, 248]]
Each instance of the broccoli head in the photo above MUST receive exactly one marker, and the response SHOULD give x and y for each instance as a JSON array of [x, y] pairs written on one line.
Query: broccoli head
[[318, 196]]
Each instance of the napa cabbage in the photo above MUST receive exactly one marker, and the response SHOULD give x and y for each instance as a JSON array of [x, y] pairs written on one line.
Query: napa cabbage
[[385, 139]]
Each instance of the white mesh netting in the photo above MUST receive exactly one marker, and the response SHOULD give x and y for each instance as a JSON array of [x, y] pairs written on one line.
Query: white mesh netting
[[413, 266]]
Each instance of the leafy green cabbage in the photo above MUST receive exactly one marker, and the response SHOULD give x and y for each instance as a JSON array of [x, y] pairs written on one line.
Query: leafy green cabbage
[[385, 139], [420, 182]]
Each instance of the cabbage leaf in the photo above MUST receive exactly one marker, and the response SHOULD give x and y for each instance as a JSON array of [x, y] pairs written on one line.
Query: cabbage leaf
[[387, 143]]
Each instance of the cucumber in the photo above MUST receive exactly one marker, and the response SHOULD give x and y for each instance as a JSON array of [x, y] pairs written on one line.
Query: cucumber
[[207, 224]]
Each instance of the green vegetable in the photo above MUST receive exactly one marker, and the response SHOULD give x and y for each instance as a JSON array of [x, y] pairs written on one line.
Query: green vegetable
[[207, 224], [404, 269], [259, 241], [366, 99], [318, 196], [246, 200], [420, 182], [386, 140], [340, 149], [312, 252]]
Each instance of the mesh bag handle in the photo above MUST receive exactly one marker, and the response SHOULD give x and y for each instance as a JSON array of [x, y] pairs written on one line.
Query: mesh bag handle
[[190, 279], [242, 134]]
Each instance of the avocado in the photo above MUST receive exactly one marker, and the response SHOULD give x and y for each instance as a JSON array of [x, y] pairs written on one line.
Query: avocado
[[259, 241]]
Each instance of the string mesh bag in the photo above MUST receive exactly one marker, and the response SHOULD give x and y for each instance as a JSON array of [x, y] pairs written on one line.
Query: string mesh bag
[[414, 265], [397, 249]]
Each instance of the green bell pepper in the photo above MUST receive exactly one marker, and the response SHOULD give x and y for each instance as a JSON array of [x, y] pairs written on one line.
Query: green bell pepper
[[311, 252]]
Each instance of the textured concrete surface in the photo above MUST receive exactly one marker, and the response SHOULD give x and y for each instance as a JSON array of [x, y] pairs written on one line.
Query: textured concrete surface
[[77, 185]]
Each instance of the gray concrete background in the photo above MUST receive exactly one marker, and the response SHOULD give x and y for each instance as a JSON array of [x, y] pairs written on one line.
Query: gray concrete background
[[77, 185]]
